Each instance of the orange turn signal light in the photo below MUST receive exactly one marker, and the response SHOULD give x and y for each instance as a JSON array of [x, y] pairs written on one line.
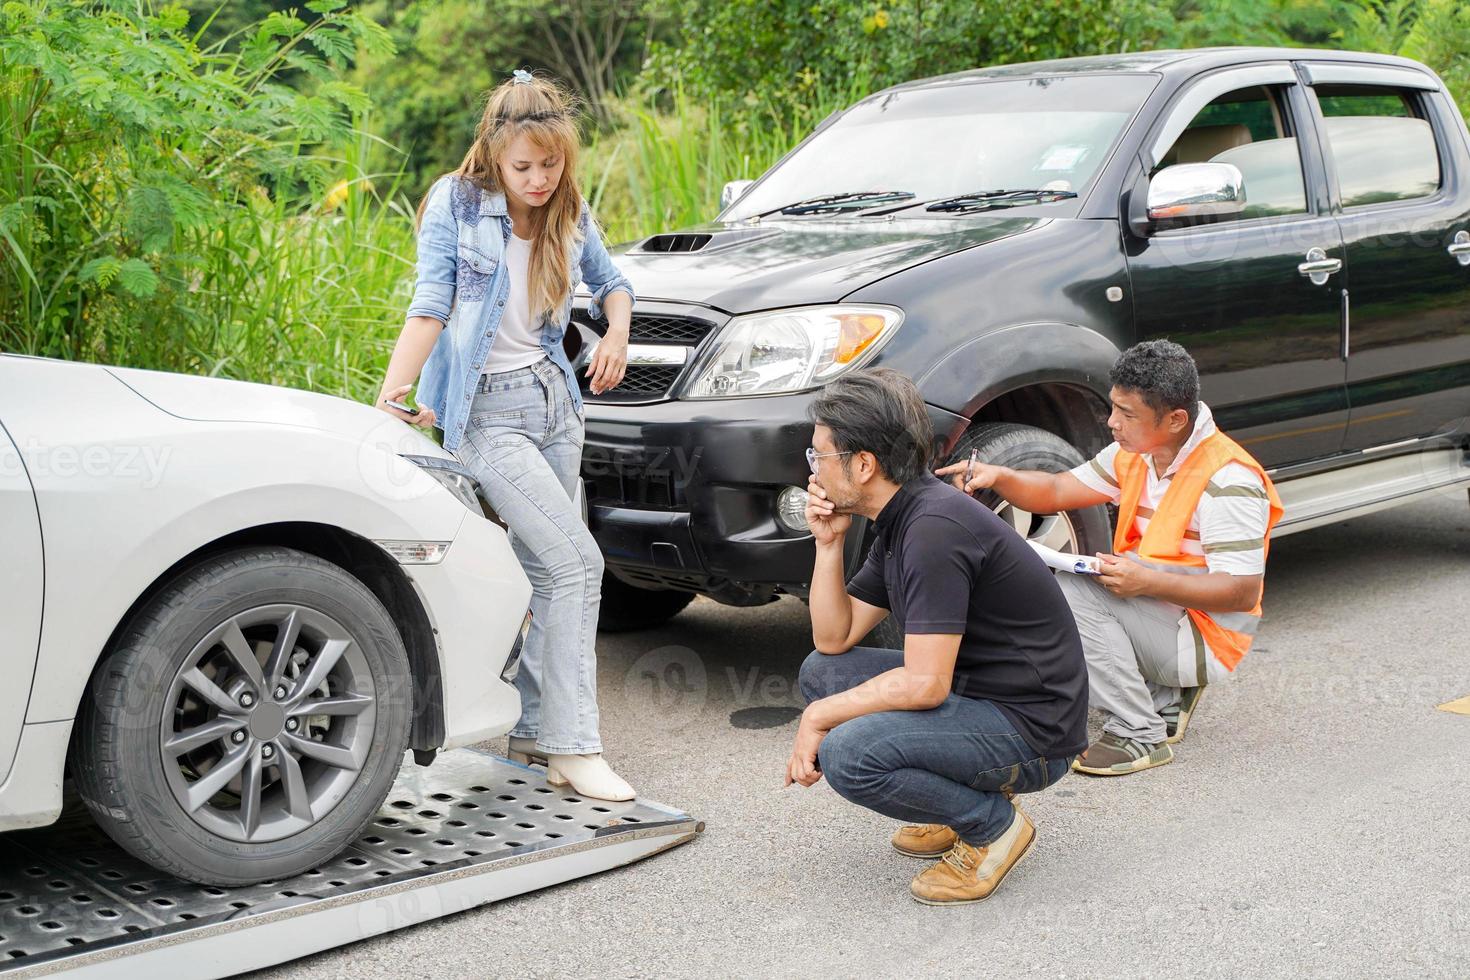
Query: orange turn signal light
[[859, 330]]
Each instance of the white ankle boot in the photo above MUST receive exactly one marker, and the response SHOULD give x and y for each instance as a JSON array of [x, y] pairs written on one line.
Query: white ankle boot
[[589, 775]]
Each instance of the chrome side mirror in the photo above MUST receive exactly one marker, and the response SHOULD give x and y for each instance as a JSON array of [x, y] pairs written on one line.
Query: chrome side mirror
[[733, 191], [1196, 190]]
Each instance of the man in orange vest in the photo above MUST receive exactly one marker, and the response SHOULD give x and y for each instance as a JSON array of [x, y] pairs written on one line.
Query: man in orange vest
[[1179, 599]]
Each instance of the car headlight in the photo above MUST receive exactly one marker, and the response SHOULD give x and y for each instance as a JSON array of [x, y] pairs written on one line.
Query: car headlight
[[791, 350], [453, 477]]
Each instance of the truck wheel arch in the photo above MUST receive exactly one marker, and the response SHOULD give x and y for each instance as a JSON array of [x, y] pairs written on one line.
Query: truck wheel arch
[[1050, 375]]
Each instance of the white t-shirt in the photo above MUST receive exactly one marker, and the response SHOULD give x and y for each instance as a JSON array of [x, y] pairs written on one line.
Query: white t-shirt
[[517, 342], [1228, 526]]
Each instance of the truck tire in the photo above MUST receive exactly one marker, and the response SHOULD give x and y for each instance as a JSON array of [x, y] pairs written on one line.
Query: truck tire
[[247, 721], [1022, 447], [627, 607]]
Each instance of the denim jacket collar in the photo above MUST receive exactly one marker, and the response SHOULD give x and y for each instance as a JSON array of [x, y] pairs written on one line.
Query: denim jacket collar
[[493, 203]]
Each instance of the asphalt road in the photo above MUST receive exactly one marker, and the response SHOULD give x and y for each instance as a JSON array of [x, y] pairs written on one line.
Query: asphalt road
[[1315, 820]]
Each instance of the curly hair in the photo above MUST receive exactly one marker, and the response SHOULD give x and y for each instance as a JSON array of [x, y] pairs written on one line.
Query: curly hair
[[1163, 373]]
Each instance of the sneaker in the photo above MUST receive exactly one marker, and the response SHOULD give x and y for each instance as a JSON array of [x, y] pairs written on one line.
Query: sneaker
[[968, 873], [1176, 716], [925, 840], [1112, 755]]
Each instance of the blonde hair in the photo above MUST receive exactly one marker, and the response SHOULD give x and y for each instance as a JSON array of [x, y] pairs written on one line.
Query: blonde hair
[[546, 113]]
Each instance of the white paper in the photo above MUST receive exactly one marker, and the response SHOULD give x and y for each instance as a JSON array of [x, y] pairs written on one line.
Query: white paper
[[1063, 157], [1064, 562]]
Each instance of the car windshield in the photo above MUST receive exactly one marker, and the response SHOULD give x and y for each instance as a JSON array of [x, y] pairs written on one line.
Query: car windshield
[[957, 138]]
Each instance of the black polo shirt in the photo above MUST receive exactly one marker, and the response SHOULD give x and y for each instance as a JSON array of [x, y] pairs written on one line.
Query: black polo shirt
[[944, 563]]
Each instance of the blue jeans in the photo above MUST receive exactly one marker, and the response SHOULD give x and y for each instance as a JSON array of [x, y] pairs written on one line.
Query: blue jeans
[[523, 442], [948, 765]]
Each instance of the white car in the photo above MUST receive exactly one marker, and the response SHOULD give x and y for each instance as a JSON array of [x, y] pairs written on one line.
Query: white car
[[227, 609]]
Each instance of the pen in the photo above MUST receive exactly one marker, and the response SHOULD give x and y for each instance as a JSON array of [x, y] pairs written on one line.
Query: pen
[[970, 467]]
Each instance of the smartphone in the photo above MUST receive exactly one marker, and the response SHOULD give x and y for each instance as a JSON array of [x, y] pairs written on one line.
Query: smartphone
[[401, 407]]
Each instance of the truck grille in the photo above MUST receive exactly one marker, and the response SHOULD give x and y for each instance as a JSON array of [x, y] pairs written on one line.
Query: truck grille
[[646, 382], [655, 329], [646, 379]]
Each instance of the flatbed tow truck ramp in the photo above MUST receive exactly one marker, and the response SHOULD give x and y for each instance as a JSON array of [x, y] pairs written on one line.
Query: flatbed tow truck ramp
[[472, 828]]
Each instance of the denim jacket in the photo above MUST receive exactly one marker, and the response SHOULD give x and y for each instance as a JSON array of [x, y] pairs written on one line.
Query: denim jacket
[[463, 284]]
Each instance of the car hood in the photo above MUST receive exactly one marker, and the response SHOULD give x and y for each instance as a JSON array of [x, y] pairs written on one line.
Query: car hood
[[741, 267], [220, 400]]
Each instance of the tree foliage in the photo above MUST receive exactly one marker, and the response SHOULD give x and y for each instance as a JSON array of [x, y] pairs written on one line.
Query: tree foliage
[[128, 149], [761, 46]]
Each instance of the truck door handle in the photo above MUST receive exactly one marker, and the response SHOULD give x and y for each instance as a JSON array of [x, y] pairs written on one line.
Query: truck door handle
[[1318, 266], [1460, 247]]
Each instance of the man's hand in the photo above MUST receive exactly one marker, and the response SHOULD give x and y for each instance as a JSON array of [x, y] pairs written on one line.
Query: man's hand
[[983, 477], [1126, 578], [802, 766], [827, 525]]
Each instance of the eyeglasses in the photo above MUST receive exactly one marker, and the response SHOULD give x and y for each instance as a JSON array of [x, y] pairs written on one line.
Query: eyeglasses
[[812, 456]]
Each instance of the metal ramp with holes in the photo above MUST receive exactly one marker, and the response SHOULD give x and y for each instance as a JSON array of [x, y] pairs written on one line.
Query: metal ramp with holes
[[472, 828]]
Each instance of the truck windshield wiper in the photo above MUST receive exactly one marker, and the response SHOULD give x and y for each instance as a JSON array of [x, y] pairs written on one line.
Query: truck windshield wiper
[[829, 203], [980, 200]]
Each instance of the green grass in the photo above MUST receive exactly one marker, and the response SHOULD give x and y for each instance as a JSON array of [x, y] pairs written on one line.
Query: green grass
[[174, 207]]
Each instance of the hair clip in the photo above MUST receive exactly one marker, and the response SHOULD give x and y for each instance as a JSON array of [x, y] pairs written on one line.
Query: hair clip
[[521, 77]]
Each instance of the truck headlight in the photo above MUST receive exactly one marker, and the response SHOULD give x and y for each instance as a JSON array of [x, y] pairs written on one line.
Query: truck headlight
[[791, 350]]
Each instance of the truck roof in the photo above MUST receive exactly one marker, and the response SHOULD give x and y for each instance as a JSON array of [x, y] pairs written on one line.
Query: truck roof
[[1178, 63]]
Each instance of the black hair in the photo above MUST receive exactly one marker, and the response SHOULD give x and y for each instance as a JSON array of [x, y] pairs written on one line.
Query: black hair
[[878, 410], [1163, 373]]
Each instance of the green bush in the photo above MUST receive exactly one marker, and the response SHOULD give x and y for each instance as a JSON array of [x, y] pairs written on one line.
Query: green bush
[[161, 204]]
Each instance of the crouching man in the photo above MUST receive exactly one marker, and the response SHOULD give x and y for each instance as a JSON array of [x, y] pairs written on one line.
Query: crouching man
[[988, 697], [1180, 597]]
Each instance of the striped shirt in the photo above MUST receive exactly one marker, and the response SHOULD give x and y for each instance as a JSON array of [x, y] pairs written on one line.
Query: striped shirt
[[1228, 526]]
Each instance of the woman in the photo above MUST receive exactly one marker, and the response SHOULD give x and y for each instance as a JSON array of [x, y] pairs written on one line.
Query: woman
[[503, 242]]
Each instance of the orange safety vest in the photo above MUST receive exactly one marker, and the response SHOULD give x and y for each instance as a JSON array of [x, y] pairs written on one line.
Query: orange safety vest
[[1228, 635]]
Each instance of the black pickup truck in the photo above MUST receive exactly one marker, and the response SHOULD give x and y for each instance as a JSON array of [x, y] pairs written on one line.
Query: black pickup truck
[[1298, 219]]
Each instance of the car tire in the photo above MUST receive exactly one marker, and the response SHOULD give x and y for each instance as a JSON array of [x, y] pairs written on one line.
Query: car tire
[[156, 742], [627, 607], [1022, 447]]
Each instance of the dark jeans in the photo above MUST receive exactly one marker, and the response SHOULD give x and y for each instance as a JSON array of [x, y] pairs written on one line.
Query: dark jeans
[[947, 765]]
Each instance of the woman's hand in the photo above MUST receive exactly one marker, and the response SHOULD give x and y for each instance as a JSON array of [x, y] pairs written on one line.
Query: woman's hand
[[610, 362], [424, 417]]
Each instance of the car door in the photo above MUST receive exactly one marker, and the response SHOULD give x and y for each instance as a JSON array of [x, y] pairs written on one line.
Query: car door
[[20, 594], [1395, 160], [1265, 334]]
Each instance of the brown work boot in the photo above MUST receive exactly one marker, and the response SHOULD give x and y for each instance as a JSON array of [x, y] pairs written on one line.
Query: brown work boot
[[1113, 755], [968, 873], [929, 840], [925, 840]]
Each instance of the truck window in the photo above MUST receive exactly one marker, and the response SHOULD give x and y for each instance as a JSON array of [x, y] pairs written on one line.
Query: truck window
[[1381, 145], [1246, 128]]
